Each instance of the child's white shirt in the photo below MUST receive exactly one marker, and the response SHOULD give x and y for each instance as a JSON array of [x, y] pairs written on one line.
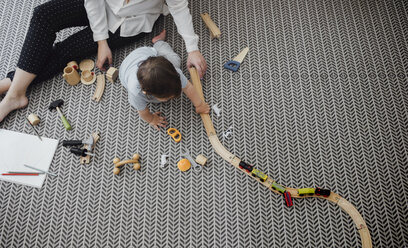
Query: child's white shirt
[[128, 77]]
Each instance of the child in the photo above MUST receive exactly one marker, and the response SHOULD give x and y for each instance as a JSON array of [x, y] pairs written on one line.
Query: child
[[152, 74]]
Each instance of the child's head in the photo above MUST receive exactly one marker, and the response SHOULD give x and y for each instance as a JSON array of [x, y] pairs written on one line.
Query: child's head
[[158, 77]]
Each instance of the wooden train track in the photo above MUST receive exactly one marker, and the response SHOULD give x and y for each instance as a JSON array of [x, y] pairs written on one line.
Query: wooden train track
[[234, 160]]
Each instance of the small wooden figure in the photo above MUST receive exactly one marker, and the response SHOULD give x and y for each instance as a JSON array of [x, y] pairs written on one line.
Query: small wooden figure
[[214, 30], [134, 160], [100, 87], [112, 74], [34, 119], [71, 75], [88, 77]]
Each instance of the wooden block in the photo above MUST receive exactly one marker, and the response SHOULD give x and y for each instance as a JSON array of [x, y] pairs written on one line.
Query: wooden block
[[100, 87], [201, 159], [86, 159], [214, 30], [112, 74]]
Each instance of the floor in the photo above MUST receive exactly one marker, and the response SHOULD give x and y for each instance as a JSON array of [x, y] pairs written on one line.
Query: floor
[[320, 100]]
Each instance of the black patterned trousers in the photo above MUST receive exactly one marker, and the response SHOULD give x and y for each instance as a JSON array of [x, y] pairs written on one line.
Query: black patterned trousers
[[42, 57]]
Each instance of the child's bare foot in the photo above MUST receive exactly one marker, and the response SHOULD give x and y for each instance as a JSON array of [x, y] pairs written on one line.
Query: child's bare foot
[[4, 85], [161, 36], [11, 103]]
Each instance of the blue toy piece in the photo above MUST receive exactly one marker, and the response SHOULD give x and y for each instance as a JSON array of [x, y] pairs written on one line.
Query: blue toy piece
[[232, 65]]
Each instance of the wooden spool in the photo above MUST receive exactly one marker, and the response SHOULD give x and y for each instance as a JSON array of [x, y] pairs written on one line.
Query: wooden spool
[[112, 74], [34, 119], [201, 159]]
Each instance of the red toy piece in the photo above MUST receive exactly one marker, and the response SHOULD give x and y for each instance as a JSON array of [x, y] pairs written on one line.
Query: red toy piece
[[288, 199]]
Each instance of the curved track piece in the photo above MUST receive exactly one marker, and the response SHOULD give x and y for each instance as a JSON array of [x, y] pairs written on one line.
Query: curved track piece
[[100, 87], [231, 158]]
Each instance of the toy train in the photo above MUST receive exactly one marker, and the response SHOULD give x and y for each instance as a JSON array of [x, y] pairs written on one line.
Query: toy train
[[276, 186], [245, 166], [259, 174]]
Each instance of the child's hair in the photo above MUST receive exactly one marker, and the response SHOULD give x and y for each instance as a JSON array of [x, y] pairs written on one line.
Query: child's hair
[[158, 77]]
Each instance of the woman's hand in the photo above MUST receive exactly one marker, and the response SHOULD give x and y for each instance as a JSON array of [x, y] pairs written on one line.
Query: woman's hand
[[203, 108], [158, 121], [104, 53], [197, 60]]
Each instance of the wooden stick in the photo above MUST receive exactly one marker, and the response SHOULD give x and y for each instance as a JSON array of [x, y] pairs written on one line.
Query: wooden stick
[[214, 30]]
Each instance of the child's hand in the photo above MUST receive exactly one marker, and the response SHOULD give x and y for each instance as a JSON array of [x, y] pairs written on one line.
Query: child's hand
[[158, 121], [203, 108]]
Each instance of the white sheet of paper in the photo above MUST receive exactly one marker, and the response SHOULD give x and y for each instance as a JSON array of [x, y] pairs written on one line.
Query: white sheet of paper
[[17, 149]]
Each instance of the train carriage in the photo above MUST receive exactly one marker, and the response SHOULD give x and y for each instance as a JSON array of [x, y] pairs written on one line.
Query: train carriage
[[257, 173], [278, 187], [306, 191]]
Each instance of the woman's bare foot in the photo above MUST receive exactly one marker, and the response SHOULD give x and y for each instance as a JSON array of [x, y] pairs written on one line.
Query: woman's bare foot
[[161, 36], [4, 85], [11, 103]]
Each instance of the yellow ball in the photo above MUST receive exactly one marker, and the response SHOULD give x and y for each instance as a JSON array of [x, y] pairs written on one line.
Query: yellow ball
[[116, 171], [136, 166], [116, 160], [184, 164], [136, 157]]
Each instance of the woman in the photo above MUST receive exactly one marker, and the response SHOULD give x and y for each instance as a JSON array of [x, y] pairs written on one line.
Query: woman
[[108, 25]]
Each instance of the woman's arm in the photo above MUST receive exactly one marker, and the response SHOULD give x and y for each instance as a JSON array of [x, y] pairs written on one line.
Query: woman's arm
[[99, 24], [97, 18], [182, 17]]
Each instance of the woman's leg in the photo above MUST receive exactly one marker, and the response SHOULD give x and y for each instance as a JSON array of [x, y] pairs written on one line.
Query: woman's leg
[[165, 50], [47, 20], [4, 85]]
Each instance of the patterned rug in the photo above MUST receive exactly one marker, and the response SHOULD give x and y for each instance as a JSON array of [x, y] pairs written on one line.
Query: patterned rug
[[320, 100]]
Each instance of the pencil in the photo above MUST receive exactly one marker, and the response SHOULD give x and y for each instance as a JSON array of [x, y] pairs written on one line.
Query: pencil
[[19, 174], [25, 172]]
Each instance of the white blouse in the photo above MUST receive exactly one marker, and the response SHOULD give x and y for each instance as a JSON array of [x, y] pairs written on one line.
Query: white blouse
[[138, 16]]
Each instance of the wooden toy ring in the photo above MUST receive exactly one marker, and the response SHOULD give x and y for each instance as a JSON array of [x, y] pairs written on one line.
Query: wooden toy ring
[[175, 134]]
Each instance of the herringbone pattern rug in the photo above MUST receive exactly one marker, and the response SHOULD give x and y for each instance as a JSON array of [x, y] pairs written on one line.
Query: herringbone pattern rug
[[320, 100]]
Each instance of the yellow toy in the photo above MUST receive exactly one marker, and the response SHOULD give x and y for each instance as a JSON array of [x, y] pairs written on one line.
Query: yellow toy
[[184, 165], [175, 134]]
